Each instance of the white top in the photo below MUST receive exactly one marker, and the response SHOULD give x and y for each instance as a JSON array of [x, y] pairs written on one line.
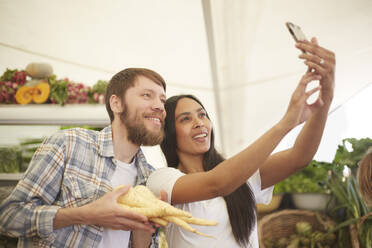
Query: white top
[[213, 209], [124, 174]]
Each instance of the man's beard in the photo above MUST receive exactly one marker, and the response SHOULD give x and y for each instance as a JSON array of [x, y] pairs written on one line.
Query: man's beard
[[138, 133]]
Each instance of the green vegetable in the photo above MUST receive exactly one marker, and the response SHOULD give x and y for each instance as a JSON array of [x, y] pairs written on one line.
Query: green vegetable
[[311, 179], [303, 228], [10, 159], [283, 242], [351, 158], [58, 90], [8, 75], [98, 90], [294, 243]]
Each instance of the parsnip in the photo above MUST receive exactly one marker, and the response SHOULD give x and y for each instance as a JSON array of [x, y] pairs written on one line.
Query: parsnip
[[159, 221], [141, 200], [198, 221], [184, 225], [169, 209], [133, 199], [148, 212]]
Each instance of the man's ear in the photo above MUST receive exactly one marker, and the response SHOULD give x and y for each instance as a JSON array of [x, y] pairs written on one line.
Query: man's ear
[[115, 104]]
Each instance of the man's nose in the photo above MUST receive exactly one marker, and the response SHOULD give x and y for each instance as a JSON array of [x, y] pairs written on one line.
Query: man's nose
[[158, 106]]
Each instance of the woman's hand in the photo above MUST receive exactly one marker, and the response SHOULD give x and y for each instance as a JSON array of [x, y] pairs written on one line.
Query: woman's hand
[[323, 62], [299, 110]]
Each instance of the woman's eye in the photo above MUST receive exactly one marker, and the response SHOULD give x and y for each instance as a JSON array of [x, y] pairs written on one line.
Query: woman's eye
[[203, 115], [185, 119]]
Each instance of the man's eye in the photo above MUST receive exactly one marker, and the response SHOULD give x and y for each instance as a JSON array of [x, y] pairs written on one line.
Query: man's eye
[[147, 95]]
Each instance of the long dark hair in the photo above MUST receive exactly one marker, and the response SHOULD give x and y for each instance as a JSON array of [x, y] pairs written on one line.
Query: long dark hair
[[241, 204]]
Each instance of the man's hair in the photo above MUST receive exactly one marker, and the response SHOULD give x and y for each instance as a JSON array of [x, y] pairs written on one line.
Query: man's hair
[[125, 79], [241, 204]]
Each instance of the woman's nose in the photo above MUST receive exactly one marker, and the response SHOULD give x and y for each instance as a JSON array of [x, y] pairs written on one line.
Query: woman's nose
[[198, 123]]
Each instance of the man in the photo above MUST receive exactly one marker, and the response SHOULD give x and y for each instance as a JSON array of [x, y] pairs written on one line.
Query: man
[[65, 198]]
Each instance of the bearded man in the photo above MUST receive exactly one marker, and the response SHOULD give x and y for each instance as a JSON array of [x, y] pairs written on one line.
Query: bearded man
[[66, 197]]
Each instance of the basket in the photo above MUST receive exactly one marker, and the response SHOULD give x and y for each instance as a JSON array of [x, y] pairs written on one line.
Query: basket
[[283, 224]]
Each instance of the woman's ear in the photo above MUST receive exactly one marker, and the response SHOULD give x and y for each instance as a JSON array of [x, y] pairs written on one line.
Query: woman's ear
[[115, 104]]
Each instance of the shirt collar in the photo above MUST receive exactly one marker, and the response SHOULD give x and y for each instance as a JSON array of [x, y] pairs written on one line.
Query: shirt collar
[[106, 149], [105, 145]]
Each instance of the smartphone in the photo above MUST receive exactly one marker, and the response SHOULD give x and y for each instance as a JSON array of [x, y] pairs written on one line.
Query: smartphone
[[296, 32]]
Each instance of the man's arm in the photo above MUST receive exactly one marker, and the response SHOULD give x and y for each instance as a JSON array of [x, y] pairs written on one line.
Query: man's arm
[[28, 211], [103, 212]]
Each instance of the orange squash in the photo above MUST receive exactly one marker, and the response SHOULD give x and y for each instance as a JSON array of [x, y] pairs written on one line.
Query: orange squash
[[41, 92], [24, 94]]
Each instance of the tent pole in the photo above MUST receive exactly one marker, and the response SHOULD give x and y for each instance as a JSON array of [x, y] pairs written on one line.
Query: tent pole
[[207, 12]]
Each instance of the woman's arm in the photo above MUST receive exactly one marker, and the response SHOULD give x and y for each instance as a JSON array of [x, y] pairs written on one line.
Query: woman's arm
[[233, 172], [282, 164]]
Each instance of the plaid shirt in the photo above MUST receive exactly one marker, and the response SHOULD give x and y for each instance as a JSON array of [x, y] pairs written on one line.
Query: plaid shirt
[[70, 169]]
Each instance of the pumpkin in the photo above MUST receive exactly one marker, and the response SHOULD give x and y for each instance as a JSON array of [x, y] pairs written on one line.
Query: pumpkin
[[41, 92], [24, 94], [39, 70]]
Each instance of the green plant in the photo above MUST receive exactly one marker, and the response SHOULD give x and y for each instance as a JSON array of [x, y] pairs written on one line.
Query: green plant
[[351, 212], [58, 90], [10, 159], [97, 93], [310, 179]]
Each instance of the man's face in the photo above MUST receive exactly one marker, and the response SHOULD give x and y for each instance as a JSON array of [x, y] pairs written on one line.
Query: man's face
[[143, 112]]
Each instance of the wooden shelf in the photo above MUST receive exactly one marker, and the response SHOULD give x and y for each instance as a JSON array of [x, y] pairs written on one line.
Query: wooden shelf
[[10, 179], [53, 114]]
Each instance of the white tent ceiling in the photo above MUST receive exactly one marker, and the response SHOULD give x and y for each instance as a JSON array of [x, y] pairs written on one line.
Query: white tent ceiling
[[236, 55]]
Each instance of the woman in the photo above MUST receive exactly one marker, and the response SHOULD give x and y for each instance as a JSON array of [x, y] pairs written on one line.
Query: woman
[[198, 176]]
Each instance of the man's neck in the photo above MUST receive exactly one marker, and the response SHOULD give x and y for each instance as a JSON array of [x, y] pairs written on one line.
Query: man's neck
[[124, 150]]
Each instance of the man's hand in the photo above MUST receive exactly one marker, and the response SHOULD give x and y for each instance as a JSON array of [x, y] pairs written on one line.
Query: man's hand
[[142, 239], [108, 213]]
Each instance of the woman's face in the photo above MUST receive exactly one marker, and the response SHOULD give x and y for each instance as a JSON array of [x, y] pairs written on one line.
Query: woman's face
[[193, 128]]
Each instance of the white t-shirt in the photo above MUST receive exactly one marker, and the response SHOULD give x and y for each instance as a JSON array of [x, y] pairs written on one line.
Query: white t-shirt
[[213, 209], [124, 174]]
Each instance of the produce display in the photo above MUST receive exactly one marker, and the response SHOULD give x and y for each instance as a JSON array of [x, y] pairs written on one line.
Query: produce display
[[10, 159], [15, 159], [37, 84], [38, 93], [304, 236], [10, 81], [141, 200], [310, 179]]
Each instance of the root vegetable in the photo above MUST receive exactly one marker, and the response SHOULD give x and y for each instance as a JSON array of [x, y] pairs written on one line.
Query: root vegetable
[[197, 221], [184, 225], [159, 221], [141, 200]]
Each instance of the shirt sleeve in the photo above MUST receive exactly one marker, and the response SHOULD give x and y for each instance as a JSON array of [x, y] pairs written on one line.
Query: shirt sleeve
[[29, 210], [163, 179], [262, 196]]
